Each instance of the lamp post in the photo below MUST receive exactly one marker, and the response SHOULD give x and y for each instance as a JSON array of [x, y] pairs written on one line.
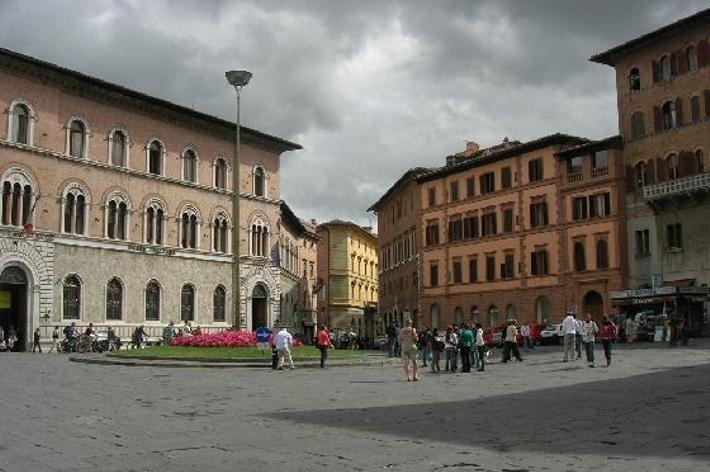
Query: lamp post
[[238, 79]]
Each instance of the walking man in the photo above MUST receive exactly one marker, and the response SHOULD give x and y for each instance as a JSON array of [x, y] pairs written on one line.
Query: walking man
[[323, 344], [569, 330], [589, 330], [283, 341], [480, 347], [391, 338], [607, 335], [511, 342], [578, 337], [35, 341], [407, 339]]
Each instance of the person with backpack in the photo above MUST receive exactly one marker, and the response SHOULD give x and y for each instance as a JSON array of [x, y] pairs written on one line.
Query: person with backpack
[[437, 347]]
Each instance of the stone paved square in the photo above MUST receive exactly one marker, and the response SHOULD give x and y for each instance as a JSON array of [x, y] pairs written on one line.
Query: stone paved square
[[649, 412]]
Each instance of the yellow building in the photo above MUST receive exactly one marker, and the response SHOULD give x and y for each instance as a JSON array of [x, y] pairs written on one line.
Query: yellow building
[[347, 277]]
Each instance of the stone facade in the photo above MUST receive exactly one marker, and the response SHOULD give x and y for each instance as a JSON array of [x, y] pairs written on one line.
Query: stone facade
[[128, 199]]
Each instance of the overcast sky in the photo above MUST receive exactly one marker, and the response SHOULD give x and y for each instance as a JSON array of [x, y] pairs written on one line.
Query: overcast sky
[[369, 88]]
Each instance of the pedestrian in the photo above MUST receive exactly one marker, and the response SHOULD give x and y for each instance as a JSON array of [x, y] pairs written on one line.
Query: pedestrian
[[480, 347], [36, 337], [55, 341], [407, 339], [169, 332], [138, 335], [391, 338], [589, 330], [11, 339], [578, 337], [283, 342], [450, 344], [684, 330], [422, 346], [569, 330], [630, 328], [607, 335], [323, 344], [2, 334], [437, 347], [466, 341], [511, 342], [525, 333]]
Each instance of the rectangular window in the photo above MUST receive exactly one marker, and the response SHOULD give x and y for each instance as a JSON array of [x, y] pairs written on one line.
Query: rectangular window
[[456, 271], [415, 279], [574, 165], [473, 269], [506, 178], [535, 170], [455, 229], [432, 197], [643, 247], [490, 267], [538, 262], [506, 268], [454, 191], [489, 224], [433, 275], [675, 236], [579, 208], [600, 160], [488, 183], [470, 187], [470, 227], [538, 214], [600, 205], [432, 234], [507, 220]]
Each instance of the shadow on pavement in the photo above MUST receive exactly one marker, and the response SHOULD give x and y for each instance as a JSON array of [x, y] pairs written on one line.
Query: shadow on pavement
[[661, 414]]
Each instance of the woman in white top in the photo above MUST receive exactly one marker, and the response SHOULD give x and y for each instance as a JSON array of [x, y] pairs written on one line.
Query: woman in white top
[[480, 347]]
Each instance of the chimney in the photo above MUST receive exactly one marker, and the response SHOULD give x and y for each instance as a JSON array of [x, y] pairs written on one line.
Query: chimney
[[472, 147]]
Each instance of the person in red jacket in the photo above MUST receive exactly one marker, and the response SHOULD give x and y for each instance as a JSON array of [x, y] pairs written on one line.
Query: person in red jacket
[[607, 335], [323, 344]]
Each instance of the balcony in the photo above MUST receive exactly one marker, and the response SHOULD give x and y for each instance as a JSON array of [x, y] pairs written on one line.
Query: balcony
[[598, 172], [574, 177], [678, 187]]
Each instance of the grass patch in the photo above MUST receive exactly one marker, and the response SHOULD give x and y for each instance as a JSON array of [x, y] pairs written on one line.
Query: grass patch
[[228, 353]]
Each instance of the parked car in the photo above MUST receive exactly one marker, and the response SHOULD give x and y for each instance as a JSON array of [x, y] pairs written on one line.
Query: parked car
[[551, 334]]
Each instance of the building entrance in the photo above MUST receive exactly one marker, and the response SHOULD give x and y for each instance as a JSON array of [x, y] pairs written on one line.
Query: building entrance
[[259, 299], [13, 305]]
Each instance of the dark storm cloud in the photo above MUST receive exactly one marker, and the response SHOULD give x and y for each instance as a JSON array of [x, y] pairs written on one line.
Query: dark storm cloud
[[370, 88]]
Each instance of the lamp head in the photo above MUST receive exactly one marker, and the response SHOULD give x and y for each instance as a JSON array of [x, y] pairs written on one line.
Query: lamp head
[[238, 78]]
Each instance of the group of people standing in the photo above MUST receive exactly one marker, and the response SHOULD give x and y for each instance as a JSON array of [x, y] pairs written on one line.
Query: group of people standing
[[583, 333]]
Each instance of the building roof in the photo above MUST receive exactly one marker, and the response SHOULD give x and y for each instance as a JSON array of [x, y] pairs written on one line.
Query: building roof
[[290, 219], [247, 133], [612, 142], [350, 224], [406, 177], [512, 151], [610, 57]]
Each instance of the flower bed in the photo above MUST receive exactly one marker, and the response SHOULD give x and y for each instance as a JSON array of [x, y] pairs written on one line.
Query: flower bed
[[227, 338]]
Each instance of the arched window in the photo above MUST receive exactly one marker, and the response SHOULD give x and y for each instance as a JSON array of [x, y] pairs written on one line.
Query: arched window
[[510, 311], [672, 166], [666, 68], [220, 174], [641, 174], [580, 262], [259, 182], [77, 138], [700, 161], [20, 121], [458, 316], [189, 166], [219, 304], [75, 210], [152, 301], [602, 254], [695, 109], [691, 58], [155, 157], [219, 233], [638, 129], [17, 198], [117, 217], [493, 316], [435, 315], [154, 222], [71, 298], [670, 117], [189, 229], [119, 148], [114, 299], [259, 238], [187, 303], [634, 79]]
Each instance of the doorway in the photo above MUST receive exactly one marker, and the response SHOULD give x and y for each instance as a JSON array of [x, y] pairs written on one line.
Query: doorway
[[593, 304], [13, 305], [258, 307]]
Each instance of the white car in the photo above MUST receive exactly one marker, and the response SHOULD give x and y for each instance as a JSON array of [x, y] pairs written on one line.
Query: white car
[[551, 334]]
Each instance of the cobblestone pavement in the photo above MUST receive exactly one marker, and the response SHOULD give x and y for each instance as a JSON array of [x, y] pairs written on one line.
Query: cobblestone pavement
[[650, 411]]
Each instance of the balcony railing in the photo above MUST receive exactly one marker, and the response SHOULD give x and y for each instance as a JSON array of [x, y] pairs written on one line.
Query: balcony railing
[[575, 177], [600, 172], [682, 186]]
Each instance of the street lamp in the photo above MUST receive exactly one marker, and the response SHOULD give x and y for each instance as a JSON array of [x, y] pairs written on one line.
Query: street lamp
[[238, 79]]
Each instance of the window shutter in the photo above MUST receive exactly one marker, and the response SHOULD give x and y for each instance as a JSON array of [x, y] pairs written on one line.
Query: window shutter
[[657, 119], [532, 215], [607, 203], [674, 64], [545, 220], [592, 206], [703, 51], [679, 111], [682, 62], [656, 72], [706, 93], [661, 174], [533, 264]]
